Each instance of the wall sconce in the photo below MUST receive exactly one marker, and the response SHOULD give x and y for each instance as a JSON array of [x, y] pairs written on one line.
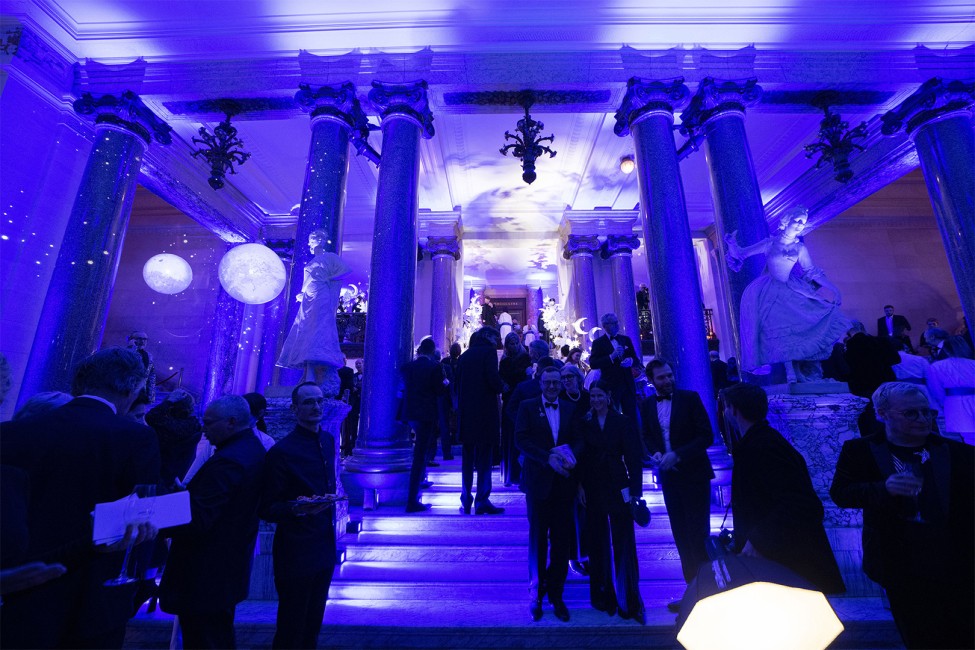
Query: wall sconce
[[627, 164]]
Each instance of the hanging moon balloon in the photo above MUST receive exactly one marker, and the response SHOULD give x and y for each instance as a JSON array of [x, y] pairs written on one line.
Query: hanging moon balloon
[[578, 326]]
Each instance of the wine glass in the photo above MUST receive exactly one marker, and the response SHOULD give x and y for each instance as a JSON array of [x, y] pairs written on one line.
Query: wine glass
[[138, 510]]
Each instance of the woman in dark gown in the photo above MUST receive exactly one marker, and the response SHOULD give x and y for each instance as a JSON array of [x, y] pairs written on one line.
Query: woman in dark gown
[[611, 470]]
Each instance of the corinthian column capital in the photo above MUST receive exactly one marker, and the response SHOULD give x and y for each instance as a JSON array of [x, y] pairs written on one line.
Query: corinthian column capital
[[581, 245], [934, 99], [646, 98], [715, 98], [337, 102], [404, 100], [621, 244], [437, 246], [127, 112]]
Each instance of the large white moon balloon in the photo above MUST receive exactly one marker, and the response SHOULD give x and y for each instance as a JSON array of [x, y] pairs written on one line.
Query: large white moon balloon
[[167, 273], [252, 273]]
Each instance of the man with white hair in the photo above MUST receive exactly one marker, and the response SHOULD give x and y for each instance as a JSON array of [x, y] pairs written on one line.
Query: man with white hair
[[916, 492]]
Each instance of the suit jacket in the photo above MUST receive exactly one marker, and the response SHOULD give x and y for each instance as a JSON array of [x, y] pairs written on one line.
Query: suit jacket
[[76, 456], [777, 509], [870, 360], [533, 437], [611, 459], [900, 325], [690, 437], [209, 563], [478, 387], [896, 549], [300, 464], [610, 370], [423, 378]]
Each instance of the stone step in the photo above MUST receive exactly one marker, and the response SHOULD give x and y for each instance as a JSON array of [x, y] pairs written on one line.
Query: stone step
[[492, 569], [471, 552], [476, 592]]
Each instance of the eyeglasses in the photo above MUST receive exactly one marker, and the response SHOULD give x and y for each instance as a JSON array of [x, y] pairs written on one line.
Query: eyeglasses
[[915, 415]]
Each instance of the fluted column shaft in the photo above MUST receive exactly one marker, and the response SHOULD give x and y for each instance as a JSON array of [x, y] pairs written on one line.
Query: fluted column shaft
[[620, 249], [382, 445], [444, 252], [718, 112], [580, 249], [678, 309], [938, 119], [73, 317]]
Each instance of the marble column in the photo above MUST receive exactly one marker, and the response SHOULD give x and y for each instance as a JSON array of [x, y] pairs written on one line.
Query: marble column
[[444, 251], [224, 326], [647, 111], [619, 249], [382, 455], [718, 112], [335, 116], [580, 250], [275, 312], [73, 317], [938, 119]]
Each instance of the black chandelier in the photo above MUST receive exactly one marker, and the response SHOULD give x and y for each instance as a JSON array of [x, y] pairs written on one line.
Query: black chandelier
[[527, 146], [835, 139], [222, 148]]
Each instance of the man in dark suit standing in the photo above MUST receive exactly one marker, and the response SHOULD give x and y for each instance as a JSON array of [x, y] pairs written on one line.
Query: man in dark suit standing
[[479, 418], [80, 454], [778, 515], [915, 489], [209, 566], [894, 326], [677, 434], [424, 382], [302, 464], [613, 355], [544, 434]]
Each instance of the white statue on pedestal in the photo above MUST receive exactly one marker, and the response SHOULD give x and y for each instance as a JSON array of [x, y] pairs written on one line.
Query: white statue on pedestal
[[784, 316], [313, 342]]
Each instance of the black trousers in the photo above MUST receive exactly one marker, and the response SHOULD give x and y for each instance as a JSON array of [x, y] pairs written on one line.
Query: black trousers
[[208, 630], [426, 433], [301, 607], [612, 548], [931, 613], [689, 510], [550, 531], [476, 457]]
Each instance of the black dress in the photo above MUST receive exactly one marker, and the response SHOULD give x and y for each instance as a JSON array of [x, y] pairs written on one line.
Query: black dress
[[611, 460]]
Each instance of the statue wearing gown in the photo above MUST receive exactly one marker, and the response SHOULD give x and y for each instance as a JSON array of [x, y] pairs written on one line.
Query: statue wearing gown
[[313, 342], [784, 317]]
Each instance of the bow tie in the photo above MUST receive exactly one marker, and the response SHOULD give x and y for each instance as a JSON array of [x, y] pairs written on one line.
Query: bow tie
[[551, 405], [661, 398]]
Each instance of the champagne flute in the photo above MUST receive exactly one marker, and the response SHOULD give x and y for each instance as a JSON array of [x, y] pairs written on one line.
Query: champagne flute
[[138, 510]]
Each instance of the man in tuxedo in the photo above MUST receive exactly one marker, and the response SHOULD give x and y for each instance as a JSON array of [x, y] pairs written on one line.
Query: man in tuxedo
[[82, 453], [613, 355], [544, 434], [302, 464], [424, 382], [677, 434], [894, 326], [209, 566]]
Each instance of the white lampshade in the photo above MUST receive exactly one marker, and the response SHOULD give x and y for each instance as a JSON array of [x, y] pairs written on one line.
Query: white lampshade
[[252, 273], [167, 273], [761, 616], [627, 164]]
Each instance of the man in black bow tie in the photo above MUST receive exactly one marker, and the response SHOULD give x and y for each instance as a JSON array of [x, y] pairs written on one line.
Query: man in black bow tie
[[677, 434], [544, 434], [614, 355]]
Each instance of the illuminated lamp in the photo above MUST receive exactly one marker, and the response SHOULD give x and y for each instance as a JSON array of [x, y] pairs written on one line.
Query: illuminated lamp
[[627, 164], [252, 274], [167, 273]]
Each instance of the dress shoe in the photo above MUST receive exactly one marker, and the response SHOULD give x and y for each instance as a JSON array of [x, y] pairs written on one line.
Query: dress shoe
[[488, 509], [418, 507], [426, 485], [561, 611], [640, 616], [465, 505], [535, 607], [432, 463], [579, 568], [674, 606]]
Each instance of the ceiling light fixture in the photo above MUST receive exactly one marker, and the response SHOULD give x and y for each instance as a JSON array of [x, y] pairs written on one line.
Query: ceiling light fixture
[[222, 150], [835, 139], [627, 164], [528, 146]]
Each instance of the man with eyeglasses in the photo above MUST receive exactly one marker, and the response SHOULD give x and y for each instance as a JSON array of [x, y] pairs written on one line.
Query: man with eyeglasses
[[299, 468], [917, 492]]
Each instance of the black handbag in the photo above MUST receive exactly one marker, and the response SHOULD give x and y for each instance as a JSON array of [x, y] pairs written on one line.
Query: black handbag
[[640, 512]]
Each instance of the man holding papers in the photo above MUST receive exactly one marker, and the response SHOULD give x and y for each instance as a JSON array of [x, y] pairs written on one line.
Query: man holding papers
[[209, 566], [544, 434]]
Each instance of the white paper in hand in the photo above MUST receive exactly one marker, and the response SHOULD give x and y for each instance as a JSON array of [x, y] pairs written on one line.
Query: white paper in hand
[[168, 511]]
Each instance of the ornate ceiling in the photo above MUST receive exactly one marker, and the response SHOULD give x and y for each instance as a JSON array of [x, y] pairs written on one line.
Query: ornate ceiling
[[179, 53]]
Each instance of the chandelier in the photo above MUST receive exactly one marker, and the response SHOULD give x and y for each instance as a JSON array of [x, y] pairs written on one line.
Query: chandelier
[[835, 139], [527, 145], [222, 148]]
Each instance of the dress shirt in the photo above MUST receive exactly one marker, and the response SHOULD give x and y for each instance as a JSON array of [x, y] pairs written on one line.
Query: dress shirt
[[890, 324], [663, 416], [553, 419]]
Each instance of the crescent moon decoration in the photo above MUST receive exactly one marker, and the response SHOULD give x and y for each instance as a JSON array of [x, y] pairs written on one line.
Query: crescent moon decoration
[[355, 290], [578, 326], [595, 333]]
